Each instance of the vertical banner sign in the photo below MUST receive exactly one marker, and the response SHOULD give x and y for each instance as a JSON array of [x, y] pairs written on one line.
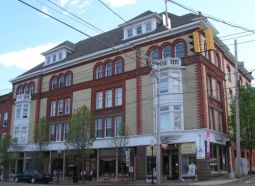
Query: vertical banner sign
[[127, 153], [208, 150], [200, 146]]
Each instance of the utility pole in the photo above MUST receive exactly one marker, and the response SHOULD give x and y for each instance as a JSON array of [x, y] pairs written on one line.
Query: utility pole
[[158, 156], [238, 151]]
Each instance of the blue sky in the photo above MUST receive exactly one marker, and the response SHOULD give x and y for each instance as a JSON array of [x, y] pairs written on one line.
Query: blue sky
[[26, 33]]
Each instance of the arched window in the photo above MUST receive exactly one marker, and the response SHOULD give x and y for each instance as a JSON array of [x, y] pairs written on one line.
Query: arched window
[[108, 69], [99, 72], [217, 60], [118, 66], [20, 90], [26, 89], [69, 79], [61, 81], [54, 84], [31, 88], [179, 50], [166, 52], [154, 54]]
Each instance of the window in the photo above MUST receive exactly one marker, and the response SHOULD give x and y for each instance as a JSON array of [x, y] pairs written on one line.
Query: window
[[54, 84], [16, 133], [230, 94], [61, 81], [48, 59], [209, 85], [69, 79], [154, 55], [59, 55], [25, 111], [118, 96], [179, 50], [176, 82], [26, 89], [217, 60], [60, 107], [59, 132], [108, 98], [118, 66], [108, 69], [99, 128], [117, 124], [229, 73], [218, 91], [51, 132], [18, 111], [206, 52], [220, 122], [54, 57], [20, 91], [129, 32], [3, 136], [99, 100], [164, 119], [211, 120], [139, 30], [99, 72], [23, 136], [108, 127], [177, 118], [66, 129], [53, 108], [166, 52], [163, 84], [67, 106], [148, 27], [31, 89], [5, 119]]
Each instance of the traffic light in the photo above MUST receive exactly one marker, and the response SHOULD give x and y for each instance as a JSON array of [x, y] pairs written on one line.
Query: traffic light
[[195, 44], [209, 39]]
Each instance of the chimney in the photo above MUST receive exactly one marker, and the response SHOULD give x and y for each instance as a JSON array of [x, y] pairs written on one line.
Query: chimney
[[166, 20]]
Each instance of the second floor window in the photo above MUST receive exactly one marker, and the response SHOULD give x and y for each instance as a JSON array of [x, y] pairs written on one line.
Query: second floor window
[[18, 111], [25, 111], [154, 54], [31, 89], [108, 98], [179, 50], [118, 127], [118, 96], [51, 133], [5, 119], [166, 52], [118, 66], [59, 132], [99, 128], [69, 79], [67, 106], [60, 107], [99, 100], [53, 108], [108, 127], [66, 129]]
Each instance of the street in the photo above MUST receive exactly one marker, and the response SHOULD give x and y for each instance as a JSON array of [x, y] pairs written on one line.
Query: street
[[243, 182]]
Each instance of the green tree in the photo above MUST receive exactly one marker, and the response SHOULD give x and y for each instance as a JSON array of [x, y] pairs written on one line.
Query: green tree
[[247, 120], [41, 136], [120, 143], [6, 155], [80, 135]]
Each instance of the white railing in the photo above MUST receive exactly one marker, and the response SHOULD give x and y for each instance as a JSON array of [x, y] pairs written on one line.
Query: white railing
[[23, 97], [170, 62]]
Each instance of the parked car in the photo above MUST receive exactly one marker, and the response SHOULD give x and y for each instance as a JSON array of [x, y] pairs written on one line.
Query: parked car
[[33, 176]]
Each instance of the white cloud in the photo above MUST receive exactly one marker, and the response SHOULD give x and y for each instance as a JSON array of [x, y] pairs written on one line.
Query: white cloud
[[26, 58], [77, 6], [120, 3], [45, 10]]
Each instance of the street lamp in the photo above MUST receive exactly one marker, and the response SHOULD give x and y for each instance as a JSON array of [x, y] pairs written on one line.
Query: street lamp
[[59, 154], [152, 177]]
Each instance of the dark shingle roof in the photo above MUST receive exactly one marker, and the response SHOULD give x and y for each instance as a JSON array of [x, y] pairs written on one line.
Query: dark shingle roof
[[112, 38]]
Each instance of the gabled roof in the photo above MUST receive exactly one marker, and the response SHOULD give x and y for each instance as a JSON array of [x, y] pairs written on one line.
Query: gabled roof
[[111, 38]]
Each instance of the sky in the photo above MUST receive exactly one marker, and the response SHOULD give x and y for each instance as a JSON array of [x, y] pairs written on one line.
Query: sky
[[26, 33]]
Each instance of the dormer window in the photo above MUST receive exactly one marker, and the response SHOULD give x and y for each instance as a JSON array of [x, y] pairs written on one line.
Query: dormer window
[[59, 55], [130, 32], [139, 30], [48, 59], [148, 26], [54, 57]]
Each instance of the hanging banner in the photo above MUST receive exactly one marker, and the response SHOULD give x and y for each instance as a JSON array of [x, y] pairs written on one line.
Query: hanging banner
[[208, 149], [200, 146]]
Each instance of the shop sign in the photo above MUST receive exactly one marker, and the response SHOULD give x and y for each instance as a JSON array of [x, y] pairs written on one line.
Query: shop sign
[[208, 138], [188, 148], [127, 153], [200, 147]]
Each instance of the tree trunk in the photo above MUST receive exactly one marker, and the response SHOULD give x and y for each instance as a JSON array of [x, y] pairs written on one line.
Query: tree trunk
[[250, 158], [6, 173]]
